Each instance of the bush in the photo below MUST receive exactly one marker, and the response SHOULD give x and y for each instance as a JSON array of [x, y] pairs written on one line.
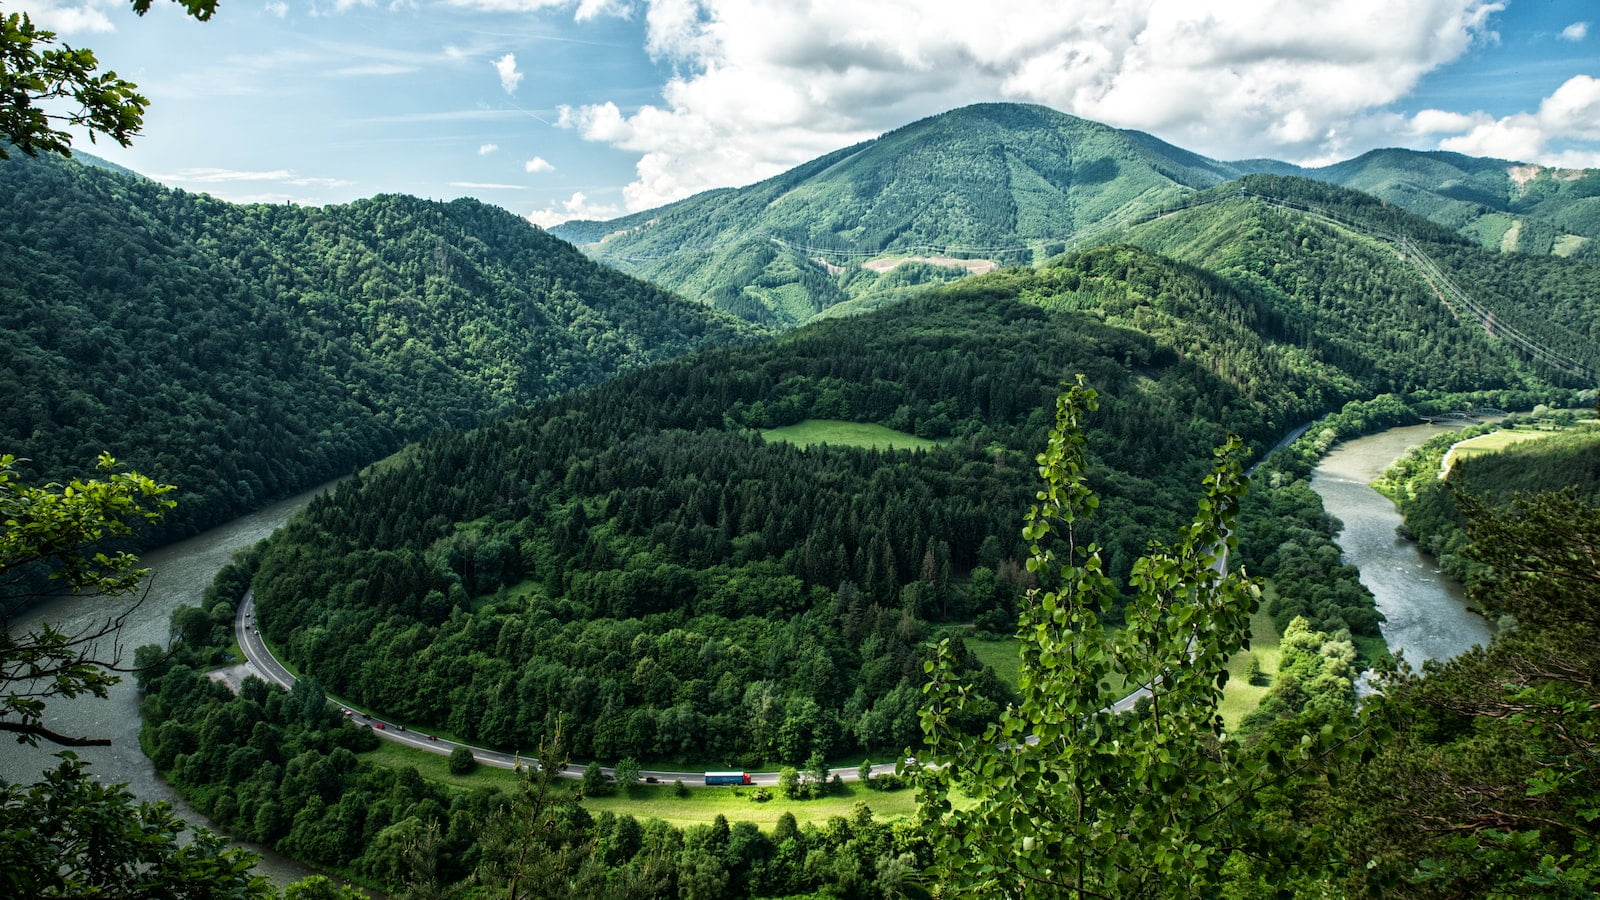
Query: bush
[[760, 795], [679, 788], [462, 762], [596, 783]]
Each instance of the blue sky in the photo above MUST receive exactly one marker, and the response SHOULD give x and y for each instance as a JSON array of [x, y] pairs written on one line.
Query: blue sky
[[595, 108]]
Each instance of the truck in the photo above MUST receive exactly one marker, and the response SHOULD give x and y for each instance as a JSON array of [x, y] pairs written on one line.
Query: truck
[[728, 778]]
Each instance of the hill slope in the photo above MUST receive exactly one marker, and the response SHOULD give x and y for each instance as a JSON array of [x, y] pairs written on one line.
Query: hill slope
[[1005, 184], [634, 561], [246, 352]]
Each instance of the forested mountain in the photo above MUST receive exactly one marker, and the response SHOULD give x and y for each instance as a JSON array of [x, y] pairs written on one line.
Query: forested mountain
[[1007, 184], [1499, 204], [1353, 280], [634, 561], [247, 352]]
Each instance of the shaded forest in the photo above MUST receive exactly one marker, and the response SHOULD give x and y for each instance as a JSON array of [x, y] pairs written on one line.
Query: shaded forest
[[248, 352]]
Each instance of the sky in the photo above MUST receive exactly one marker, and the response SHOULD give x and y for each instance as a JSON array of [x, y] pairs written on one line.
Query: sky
[[560, 109]]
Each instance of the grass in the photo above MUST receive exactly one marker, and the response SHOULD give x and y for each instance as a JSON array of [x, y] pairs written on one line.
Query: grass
[[703, 805], [1240, 697], [811, 432], [1000, 655], [1490, 443], [660, 801]]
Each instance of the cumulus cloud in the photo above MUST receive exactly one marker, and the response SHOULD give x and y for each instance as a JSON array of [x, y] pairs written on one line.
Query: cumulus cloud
[[538, 164], [761, 85], [575, 207], [1571, 113], [1575, 32], [487, 149], [509, 76], [277, 8], [68, 18]]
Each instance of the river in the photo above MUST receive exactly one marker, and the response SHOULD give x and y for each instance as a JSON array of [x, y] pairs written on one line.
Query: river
[[1427, 612], [179, 575], [1427, 615]]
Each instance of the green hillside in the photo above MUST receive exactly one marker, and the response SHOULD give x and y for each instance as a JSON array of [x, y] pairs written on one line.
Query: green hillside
[[1340, 267], [1003, 182], [1011, 184], [1500, 205], [248, 352], [646, 514]]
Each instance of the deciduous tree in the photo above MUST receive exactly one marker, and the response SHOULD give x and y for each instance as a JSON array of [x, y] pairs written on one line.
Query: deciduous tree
[[44, 87], [1069, 796]]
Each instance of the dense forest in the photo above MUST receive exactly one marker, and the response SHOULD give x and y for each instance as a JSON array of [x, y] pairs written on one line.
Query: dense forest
[[1343, 282], [636, 560], [281, 769], [248, 352]]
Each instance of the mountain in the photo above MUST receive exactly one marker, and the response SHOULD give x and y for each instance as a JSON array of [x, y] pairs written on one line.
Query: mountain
[[1006, 184], [985, 184], [1497, 203], [248, 352]]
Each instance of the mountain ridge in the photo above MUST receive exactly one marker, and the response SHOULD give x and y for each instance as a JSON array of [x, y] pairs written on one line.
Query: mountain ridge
[[1016, 183]]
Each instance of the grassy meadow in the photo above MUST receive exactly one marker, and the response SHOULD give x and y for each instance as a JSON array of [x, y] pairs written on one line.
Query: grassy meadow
[[812, 432]]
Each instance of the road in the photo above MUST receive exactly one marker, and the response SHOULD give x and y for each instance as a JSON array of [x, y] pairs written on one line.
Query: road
[[260, 661]]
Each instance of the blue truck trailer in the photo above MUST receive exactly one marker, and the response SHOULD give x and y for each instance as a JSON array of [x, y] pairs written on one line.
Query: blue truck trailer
[[728, 778]]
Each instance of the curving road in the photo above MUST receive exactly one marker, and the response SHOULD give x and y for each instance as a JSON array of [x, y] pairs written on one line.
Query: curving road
[[259, 661]]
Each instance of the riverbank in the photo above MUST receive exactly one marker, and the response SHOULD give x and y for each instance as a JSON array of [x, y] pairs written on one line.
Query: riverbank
[[179, 575], [1427, 614]]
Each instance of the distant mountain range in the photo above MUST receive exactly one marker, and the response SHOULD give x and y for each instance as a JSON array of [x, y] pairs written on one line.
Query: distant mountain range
[[996, 184]]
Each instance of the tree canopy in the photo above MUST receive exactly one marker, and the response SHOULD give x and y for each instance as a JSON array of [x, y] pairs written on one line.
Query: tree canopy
[[44, 87]]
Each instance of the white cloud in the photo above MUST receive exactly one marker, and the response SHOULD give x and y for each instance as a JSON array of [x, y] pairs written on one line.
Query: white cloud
[[1572, 112], [762, 85], [67, 18], [223, 176], [488, 186], [509, 76], [1437, 121], [575, 207], [277, 8], [538, 164], [1577, 31], [508, 5], [487, 149], [210, 175]]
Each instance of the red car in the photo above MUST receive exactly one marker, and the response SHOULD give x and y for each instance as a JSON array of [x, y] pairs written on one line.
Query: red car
[[378, 725]]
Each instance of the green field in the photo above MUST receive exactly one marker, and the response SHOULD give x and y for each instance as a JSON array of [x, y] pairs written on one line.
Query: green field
[[660, 801], [703, 805], [811, 432], [1490, 443], [1000, 655], [1240, 697]]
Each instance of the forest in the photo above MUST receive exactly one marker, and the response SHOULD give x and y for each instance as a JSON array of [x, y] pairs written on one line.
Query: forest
[[634, 560], [246, 353]]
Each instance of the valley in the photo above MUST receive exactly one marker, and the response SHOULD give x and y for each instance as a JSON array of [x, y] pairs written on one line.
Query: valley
[[751, 517]]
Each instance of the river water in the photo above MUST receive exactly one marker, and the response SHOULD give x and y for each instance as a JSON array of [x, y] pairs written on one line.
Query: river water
[[1427, 612], [180, 573]]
